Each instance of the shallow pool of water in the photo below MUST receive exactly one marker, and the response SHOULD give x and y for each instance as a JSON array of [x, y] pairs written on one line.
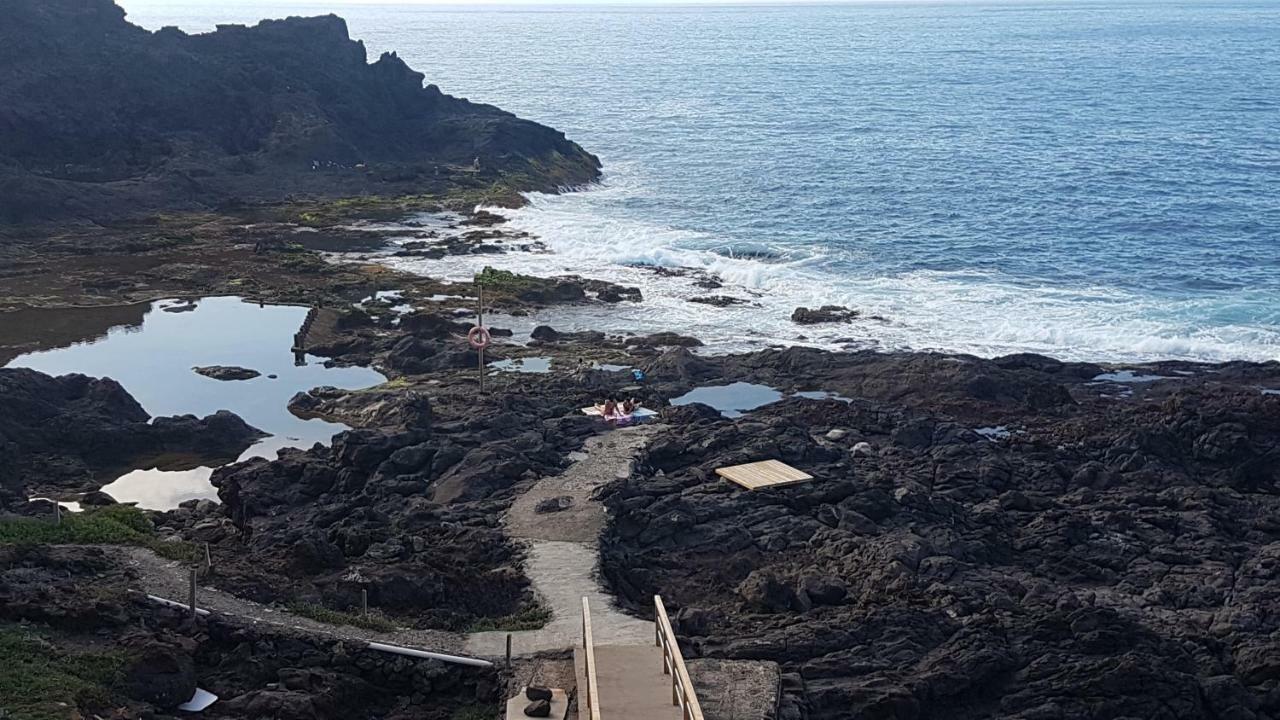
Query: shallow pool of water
[[731, 400], [1129, 376], [996, 432], [523, 365], [822, 395], [154, 362]]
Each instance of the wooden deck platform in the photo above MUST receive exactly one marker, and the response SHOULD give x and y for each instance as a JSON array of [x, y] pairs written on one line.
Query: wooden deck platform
[[764, 474]]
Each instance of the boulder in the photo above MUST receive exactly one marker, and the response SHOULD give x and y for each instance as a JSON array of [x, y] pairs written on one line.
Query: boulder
[[553, 504], [96, 498], [863, 450], [824, 314], [764, 591]]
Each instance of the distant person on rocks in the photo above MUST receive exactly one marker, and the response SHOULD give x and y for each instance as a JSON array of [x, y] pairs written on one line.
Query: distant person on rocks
[[610, 408]]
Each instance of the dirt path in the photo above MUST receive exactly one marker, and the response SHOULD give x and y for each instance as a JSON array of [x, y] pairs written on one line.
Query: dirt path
[[169, 579], [563, 550]]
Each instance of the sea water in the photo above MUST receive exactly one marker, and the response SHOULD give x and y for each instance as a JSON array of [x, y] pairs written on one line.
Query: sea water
[[1089, 180], [153, 358]]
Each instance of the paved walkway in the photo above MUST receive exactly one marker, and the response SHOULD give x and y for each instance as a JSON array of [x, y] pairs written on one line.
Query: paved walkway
[[563, 550], [170, 579]]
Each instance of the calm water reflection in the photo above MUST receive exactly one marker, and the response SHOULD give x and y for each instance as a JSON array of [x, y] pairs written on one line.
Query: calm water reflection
[[154, 363]]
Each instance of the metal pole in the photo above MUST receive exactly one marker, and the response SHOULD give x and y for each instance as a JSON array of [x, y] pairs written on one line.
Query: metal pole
[[364, 601], [508, 651], [191, 597], [208, 559], [57, 513], [411, 652], [480, 322]]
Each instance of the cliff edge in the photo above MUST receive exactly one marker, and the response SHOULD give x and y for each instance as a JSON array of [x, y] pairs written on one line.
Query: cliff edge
[[101, 118]]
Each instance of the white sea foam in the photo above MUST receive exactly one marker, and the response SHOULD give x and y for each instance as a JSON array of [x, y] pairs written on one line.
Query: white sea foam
[[978, 312]]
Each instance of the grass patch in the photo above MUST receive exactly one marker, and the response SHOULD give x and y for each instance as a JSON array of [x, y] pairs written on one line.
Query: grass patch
[[506, 281], [110, 525], [304, 262], [321, 213], [532, 617], [39, 682], [372, 621]]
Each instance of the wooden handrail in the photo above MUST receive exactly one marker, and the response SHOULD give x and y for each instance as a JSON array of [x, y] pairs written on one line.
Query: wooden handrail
[[589, 655], [682, 692]]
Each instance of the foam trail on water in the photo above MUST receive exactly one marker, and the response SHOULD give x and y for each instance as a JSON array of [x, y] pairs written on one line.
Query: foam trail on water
[[594, 234]]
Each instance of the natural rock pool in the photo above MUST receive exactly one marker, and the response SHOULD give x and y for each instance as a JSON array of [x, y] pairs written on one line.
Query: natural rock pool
[[154, 361]]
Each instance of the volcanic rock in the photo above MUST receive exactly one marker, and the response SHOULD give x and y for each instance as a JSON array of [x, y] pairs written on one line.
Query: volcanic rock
[[67, 431], [824, 314], [554, 504], [223, 372], [1121, 544], [89, 128]]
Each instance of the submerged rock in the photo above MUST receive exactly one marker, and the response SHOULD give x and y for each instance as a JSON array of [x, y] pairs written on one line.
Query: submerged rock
[[824, 314], [226, 372], [717, 300]]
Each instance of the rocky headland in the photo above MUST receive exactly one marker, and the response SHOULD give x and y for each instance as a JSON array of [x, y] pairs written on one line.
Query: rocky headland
[[101, 119]]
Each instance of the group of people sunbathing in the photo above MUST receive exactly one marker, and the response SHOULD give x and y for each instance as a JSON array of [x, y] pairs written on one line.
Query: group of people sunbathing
[[611, 408]]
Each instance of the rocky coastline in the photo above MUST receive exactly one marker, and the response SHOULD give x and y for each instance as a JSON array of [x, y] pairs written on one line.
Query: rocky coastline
[[986, 537], [1011, 537]]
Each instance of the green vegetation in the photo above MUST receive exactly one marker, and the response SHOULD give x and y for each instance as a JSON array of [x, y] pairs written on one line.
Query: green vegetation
[[40, 682], [321, 213], [531, 617], [110, 525], [506, 281], [304, 261], [373, 621], [163, 242]]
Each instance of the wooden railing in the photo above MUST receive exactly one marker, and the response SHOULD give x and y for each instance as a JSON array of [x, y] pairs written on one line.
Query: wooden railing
[[589, 653], [682, 693]]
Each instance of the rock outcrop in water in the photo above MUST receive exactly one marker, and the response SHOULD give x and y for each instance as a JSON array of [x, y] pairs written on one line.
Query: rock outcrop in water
[[99, 118], [226, 372], [65, 432]]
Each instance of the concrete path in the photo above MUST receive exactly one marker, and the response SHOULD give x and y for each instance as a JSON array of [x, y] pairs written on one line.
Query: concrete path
[[170, 579], [563, 551]]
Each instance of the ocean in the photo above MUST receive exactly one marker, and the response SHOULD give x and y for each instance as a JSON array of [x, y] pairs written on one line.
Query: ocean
[[1095, 181]]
